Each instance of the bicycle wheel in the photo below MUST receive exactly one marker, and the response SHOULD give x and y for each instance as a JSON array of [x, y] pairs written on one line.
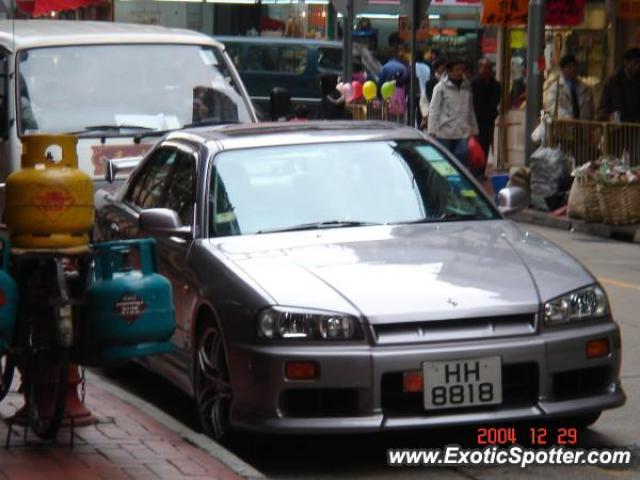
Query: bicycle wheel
[[8, 367], [47, 390]]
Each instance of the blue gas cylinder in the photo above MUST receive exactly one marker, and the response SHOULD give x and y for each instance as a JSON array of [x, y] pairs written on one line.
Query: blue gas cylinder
[[130, 309], [8, 299]]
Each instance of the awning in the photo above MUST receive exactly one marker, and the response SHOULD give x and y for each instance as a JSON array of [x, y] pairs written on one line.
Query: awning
[[39, 8]]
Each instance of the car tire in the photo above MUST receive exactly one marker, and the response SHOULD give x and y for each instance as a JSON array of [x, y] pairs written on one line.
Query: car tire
[[212, 384]]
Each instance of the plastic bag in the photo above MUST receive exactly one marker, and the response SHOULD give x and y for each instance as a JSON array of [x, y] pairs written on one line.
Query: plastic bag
[[549, 172], [476, 158]]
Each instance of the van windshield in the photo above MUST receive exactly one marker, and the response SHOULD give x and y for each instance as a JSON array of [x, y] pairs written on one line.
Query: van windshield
[[145, 86]]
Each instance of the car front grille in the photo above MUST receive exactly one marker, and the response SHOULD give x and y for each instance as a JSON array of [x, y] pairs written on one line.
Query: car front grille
[[455, 329], [519, 389]]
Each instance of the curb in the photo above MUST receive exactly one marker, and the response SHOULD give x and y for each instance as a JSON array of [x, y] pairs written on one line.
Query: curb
[[625, 233], [204, 443]]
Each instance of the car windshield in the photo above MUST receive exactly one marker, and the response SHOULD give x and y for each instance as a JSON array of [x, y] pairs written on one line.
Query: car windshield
[[145, 86], [299, 187]]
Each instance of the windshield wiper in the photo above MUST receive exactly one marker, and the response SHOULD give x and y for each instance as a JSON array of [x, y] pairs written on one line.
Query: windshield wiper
[[320, 225], [202, 123], [117, 128]]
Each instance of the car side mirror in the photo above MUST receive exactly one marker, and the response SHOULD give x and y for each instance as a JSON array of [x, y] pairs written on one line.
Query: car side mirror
[[163, 221], [115, 165], [512, 199]]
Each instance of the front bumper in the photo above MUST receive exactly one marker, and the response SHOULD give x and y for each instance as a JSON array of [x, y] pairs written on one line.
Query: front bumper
[[554, 360]]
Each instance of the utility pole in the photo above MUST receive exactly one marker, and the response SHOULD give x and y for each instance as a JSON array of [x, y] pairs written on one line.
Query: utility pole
[[347, 42], [535, 72]]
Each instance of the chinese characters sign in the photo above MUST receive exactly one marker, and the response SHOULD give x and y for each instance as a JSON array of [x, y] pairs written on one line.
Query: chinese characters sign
[[514, 12], [629, 9], [505, 12], [564, 12]]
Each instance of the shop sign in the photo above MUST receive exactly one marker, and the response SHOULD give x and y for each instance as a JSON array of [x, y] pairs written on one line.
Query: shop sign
[[565, 12], [504, 12], [629, 9]]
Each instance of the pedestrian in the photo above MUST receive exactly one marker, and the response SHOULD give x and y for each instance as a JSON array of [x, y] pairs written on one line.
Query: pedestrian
[[423, 74], [394, 69], [620, 102], [439, 68], [486, 98], [434, 54], [569, 97], [518, 94], [620, 98], [452, 119]]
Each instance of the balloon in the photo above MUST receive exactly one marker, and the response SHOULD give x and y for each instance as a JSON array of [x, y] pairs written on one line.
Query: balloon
[[369, 90], [388, 88], [347, 92], [357, 89], [339, 86]]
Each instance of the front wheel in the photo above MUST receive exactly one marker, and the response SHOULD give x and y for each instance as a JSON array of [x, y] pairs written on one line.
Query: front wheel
[[212, 382], [8, 366], [48, 375]]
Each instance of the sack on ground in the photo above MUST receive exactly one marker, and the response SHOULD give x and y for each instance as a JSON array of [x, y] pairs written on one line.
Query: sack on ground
[[549, 169]]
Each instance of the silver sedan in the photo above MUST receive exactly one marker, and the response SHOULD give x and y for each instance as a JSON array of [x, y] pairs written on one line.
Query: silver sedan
[[349, 277]]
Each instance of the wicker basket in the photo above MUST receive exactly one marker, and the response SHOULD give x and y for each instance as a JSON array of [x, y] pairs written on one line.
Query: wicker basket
[[620, 203], [584, 200]]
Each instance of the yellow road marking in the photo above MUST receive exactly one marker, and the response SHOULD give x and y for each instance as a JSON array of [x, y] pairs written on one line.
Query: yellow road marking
[[618, 283]]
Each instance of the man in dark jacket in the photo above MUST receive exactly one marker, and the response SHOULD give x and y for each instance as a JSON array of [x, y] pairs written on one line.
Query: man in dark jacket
[[486, 97], [620, 98]]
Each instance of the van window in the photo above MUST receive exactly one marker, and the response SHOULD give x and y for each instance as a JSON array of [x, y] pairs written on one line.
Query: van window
[[140, 86], [330, 59], [272, 58]]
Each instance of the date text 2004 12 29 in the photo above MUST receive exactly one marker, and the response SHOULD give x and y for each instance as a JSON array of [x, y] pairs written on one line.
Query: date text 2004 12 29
[[533, 435]]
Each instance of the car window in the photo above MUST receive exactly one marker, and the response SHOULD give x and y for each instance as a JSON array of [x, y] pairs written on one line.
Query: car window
[[330, 59], [235, 53], [258, 190], [181, 190], [262, 58], [148, 187], [292, 59]]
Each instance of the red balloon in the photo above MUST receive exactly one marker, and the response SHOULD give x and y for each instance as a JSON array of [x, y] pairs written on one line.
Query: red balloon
[[357, 89]]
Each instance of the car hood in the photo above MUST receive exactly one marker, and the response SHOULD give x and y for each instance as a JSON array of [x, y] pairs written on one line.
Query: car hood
[[408, 273]]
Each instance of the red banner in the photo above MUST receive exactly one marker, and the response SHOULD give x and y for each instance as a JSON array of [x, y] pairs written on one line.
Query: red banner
[[505, 12], [39, 8], [565, 12]]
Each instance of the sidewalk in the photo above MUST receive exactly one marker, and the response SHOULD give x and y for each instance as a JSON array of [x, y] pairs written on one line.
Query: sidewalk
[[627, 233], [132, 440]]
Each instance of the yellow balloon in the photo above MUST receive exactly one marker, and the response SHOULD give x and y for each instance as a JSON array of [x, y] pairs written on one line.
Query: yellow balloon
[[369, 90]]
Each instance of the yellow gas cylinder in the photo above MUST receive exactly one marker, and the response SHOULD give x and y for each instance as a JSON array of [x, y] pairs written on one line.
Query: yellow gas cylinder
[[49, 202]]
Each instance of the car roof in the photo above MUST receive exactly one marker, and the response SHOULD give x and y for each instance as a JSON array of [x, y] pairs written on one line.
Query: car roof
[[19, 34], [279, 41], [242, 136]]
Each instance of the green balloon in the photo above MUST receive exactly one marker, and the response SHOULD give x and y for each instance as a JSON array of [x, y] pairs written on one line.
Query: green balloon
[[388, 88]]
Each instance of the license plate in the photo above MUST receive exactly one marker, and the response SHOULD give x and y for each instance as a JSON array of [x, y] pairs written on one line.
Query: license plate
[[462, 383]]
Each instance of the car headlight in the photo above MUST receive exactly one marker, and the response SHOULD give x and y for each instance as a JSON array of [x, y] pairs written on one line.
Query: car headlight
[[584, 304], [296, 324]]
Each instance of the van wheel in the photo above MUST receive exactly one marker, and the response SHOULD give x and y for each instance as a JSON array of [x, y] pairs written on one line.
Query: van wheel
[[212, 382]]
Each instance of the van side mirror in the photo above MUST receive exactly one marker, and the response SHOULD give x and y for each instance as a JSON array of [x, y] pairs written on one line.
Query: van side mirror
[[115, 165]]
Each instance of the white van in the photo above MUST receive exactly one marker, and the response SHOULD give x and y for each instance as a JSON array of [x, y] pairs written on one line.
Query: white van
[[117, 86]]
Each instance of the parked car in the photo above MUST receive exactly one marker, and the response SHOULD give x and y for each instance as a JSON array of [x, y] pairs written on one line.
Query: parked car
[[291, 63], [109, 82], [350, 277]]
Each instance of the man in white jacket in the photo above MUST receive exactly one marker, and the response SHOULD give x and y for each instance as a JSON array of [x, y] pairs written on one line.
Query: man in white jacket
[[452, 119]]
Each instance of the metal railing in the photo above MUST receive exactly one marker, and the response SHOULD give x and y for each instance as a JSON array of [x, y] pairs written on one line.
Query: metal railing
[[374, 111], [587, 141]]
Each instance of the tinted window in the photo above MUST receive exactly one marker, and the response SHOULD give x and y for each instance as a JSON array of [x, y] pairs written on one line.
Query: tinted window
[[330, 59], [374, 182], [182, 186], [148, 187], [272, 58]]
